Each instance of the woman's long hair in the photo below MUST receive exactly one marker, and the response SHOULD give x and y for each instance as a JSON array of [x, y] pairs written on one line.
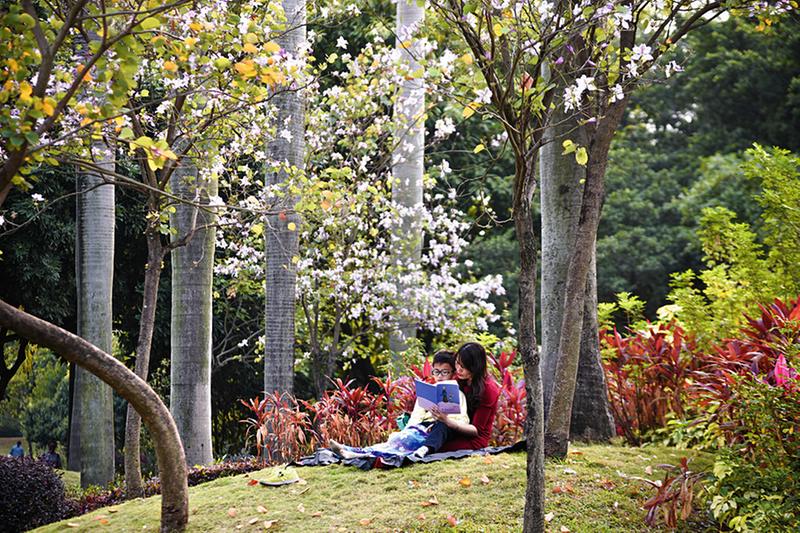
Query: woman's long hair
[[472, 356]]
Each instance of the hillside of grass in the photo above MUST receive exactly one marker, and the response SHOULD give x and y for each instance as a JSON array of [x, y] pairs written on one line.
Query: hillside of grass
[[592, 490]]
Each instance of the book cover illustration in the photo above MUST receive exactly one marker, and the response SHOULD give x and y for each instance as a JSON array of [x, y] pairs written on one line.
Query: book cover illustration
[[444, 395]]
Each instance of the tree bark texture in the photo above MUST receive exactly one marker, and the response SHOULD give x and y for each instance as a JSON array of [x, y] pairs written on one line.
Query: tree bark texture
[[134, 487], [560, 193], [169, 452], [523, 222], [408, 155], [281, 241], [191, 318], [94, 266], [560, 415]]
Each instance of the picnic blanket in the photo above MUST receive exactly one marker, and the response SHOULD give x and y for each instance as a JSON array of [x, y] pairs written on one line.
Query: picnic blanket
[[324, 456]]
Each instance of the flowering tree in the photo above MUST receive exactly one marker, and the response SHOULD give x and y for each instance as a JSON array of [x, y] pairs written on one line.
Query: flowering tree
[[348, 272]]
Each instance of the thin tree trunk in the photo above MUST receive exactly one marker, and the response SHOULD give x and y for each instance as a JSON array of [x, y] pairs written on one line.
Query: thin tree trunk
[[533, 519], [94, 264], [408, 157], [134, 487], [560, 182], [560, 414], [191, 322], [156, 417], [281, 236]]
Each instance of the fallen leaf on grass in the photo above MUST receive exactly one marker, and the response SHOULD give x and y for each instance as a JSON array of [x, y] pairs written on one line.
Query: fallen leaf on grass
[[452, 520], [232, 512], [365, 521], [465, 482], [73, 524], [564, 529], [488, 460], [113, 510], [563, 489], [421, 516], [302, 482], [104, 521], [100, 517], [432, 501], [317, 514], [261, 509], [485, 479], [549, 517], [607, 484], [570, 471], [576, 453], [648, 470], [252, 482], [301, 508], [269, 523], [413, 483], [252, 521]]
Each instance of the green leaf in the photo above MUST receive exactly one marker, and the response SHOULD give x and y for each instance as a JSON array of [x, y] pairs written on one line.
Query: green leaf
[[150, 22]]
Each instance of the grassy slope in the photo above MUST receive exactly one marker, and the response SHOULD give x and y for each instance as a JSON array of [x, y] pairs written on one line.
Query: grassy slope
[[596, 497]]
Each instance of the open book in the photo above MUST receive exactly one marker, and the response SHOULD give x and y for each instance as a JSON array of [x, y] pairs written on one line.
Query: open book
[[444, 395]]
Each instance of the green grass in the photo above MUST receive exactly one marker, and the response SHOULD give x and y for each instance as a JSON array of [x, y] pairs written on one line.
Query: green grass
[[595, 496]]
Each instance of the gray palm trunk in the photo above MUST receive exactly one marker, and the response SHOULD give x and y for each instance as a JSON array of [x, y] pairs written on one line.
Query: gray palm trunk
[[92, 434], [561, 193], [408, 156], [281, 242], [191, 318]]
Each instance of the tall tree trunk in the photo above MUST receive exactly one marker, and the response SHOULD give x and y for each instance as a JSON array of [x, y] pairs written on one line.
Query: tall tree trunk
[[560, 193], [281, 235], [523, 222], [169, 452], [94, 265], [560, 415], [191, 318], [134, 487], [408, 156]]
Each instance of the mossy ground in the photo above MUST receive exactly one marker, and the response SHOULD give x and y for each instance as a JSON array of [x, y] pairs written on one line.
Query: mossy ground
[[589, 491]]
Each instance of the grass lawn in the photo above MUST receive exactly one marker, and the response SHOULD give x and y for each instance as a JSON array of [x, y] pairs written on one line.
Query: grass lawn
[[590, 491]]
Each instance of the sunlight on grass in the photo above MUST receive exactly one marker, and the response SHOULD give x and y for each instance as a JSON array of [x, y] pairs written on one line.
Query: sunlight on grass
[[585, 492]]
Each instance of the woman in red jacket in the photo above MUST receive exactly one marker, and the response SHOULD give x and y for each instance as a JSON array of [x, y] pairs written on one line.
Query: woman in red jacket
[[482, 393]]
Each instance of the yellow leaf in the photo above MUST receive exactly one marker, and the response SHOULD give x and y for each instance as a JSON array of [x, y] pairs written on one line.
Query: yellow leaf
[[195, 26], [295, 259], [568, 146], [170, 66], [291, 226], [246, 68], [47, 107], [272, 47], [25, 91], [272, 77], [470, 109], [467, 59], [191, 41], [465, 482], [478, 149], [12, 64], [498, 29], [250, 48], [257, 229], [582, 156]]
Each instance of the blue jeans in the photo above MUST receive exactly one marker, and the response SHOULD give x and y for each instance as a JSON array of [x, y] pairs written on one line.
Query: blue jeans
[[438, 434]]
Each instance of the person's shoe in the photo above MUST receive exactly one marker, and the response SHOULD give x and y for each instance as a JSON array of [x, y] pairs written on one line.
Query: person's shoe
[[421, 452]]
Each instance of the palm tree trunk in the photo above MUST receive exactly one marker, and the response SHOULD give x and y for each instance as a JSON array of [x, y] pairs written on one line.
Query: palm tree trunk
[[282, 230], [94, 265], [408, 156], [191, 323]]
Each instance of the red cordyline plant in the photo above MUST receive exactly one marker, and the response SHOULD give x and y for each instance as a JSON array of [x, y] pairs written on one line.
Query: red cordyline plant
[[280, 428], [674, 495], [649, 376], [509, 424]]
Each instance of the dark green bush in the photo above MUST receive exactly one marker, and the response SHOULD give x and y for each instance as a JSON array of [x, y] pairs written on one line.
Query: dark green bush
[[32, 495]]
